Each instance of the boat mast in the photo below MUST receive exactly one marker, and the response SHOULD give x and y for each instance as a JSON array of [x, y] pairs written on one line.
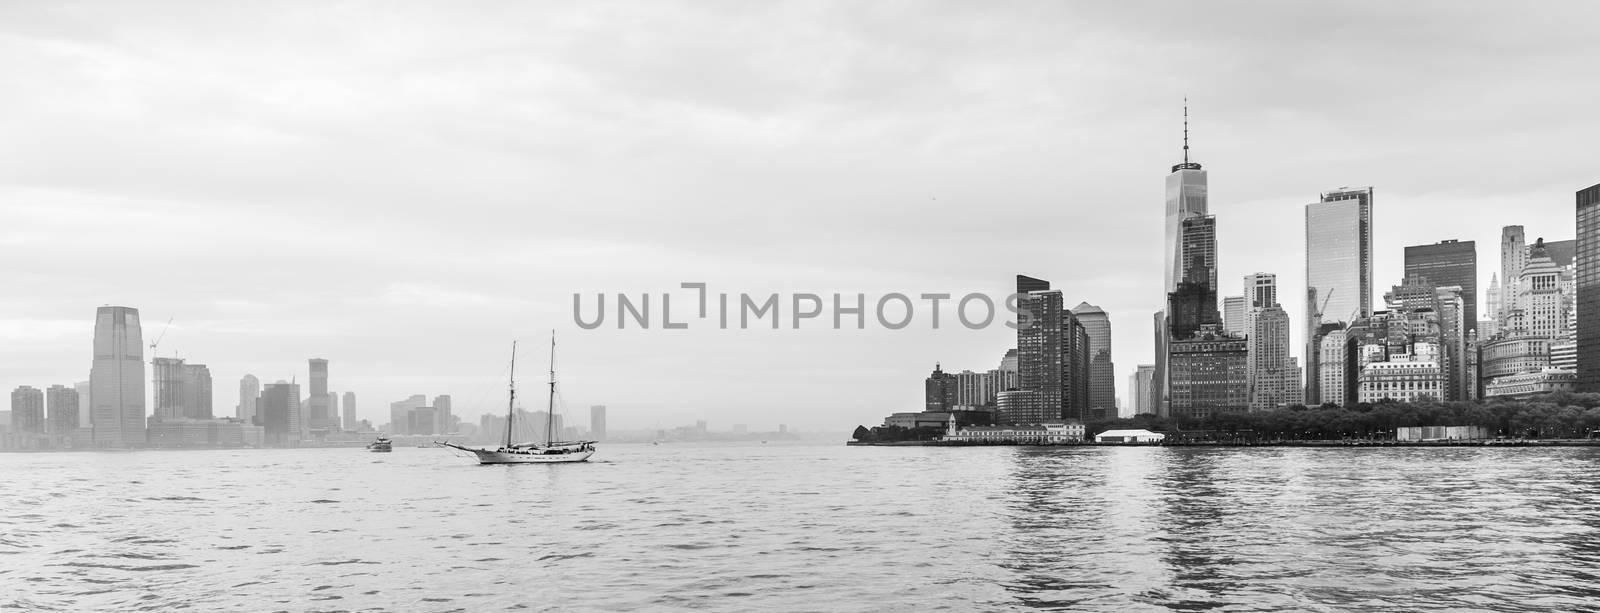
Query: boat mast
[[550, 410], [511, 403]]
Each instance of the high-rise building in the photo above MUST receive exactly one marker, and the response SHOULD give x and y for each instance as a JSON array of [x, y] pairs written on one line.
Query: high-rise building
[[334, 420], [319, 409], [167, 381], [63, 405], [1193, 304], [1200, 249], [1233, 308], [27, 411], [1260, 290], [1513, 257], [1186, 198], [350, 411], [939, 390], [1541, 306], [85, 403], [116, 379], [1492, 305], [249, 391], [1052, 356], [441, 403], [1209, 374], [1338, 271], [1102, 371], [280, 414], [1139, 387], [597, 422], [400, 413], [1445, 264], [197, 396], [1274, 377]]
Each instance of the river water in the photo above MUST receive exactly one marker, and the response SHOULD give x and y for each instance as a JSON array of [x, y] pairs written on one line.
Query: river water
[[805, 527]]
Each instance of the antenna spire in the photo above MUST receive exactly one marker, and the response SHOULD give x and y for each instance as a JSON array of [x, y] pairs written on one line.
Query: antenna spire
[[1186, 129]]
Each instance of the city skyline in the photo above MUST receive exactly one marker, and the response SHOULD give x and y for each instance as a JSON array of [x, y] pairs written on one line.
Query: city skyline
[[430, 252]]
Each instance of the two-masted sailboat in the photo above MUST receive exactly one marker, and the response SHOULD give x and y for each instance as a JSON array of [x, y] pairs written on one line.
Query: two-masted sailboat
[[552, 451]]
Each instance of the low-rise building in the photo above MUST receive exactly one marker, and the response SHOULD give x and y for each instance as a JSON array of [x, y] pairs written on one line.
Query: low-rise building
[[1129, 436], [1048, 433], [1525, 385], [1405, 381], [1440, 433]]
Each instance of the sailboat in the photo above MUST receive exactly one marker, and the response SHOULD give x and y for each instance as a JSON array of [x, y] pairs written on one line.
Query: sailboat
[[552, 451]]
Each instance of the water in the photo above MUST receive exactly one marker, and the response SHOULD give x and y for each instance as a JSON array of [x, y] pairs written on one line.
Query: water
[[804, 528]]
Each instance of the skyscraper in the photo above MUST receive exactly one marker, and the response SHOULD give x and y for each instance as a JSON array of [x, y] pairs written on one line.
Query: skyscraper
[[349, 403], [1102, 371], [1274, 377], [1445, 264], [197, 398], [167, 377], [1513, 256], [27, 411], [1200, 249], [1338, 271], [318, 408], [117, 378], [441, 403], [1186, 197], [249, 391], [63, 404], [1139, 388], [279, 411], [1260, 290], [85, 419], [939, 390], [597, 422], [1052, 357]]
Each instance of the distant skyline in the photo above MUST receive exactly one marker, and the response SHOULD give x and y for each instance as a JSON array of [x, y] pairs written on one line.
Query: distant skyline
[[404, 189]]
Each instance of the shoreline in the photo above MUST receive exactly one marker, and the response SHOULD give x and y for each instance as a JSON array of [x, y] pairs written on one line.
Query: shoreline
[[1352, 444]]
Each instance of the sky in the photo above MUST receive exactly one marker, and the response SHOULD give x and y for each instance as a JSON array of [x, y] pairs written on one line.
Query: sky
[[406, 188]]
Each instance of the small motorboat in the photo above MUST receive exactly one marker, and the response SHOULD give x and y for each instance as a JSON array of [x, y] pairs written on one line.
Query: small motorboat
[[382, 445]]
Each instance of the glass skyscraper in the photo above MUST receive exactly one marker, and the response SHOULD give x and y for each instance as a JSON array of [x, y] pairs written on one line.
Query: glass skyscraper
[[1449, 263], [1588, 264], [1102, 371], [116, 379], [1338, 270]]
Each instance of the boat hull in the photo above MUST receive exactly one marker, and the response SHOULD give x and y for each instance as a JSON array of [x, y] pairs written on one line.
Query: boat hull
[[525, 456]]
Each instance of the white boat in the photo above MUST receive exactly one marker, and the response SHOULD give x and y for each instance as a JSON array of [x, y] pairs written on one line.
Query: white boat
[[551, 451], [382, 445]]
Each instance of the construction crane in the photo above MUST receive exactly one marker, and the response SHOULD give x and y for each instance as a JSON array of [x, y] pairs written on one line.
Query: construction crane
[[1324, 306], [158, 339]]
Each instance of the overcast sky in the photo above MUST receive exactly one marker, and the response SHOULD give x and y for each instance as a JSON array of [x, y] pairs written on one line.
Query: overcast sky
[[405, 188]]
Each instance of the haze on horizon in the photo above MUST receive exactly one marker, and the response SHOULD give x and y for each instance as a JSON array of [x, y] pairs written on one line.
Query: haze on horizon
[[405, 188]]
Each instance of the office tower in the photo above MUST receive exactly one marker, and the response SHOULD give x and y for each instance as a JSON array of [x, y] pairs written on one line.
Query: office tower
[[441, 403], [422, 420], [400, 413], [1513, 257], [1233, 308], [1261, 290], [597, 422], [280, 414], [63, 405], [166, 379], [335, 423], [1445, 264], [1186, 198], [939, 390], [1274, 377], [972, 389], [27, 411], [319, 410], [1333, 377], [350, 411], [1209, 374], [116, 379], [1052, 356], [85, 420], [1140, 389], [249, 391], [1102, 371], [197, 398], [1338, 270]]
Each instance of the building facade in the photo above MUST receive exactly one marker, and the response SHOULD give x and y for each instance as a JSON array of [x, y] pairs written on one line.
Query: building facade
[[1102, 370], [249, 391], [1209, 374], [1448, 263]]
